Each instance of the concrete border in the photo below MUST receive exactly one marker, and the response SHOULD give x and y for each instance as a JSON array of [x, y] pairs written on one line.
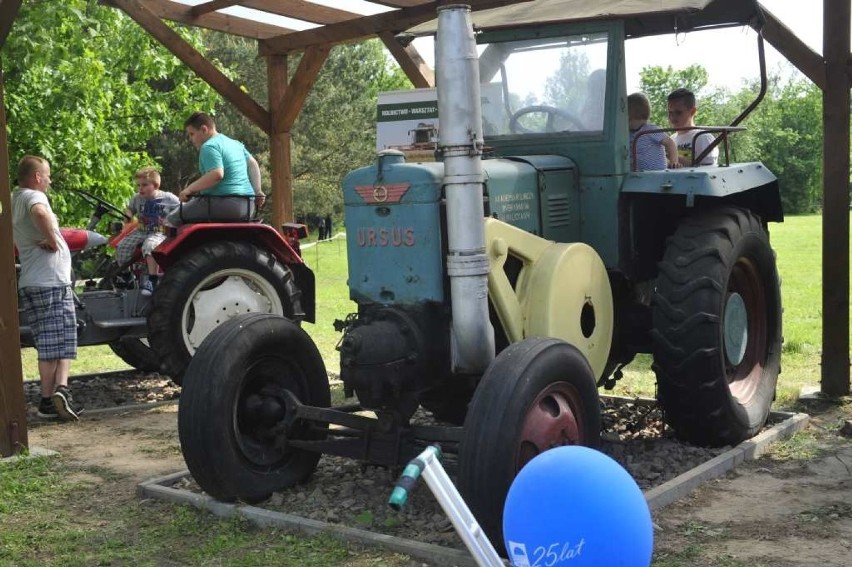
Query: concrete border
[[684, 483], [160, 488]]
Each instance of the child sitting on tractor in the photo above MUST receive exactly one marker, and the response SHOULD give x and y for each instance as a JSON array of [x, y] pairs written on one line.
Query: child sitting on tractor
[[150, 206]]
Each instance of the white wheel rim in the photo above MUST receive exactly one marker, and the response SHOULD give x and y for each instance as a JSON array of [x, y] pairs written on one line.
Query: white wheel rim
[[221, 296]]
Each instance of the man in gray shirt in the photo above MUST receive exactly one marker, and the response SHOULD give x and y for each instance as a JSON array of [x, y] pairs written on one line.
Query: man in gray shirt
[[44, 286]]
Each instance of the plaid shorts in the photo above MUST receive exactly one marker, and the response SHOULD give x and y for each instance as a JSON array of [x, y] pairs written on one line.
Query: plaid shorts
[[53, 320]]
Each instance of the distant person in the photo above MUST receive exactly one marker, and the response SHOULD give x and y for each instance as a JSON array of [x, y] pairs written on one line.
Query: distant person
[[329, 232], [44, 287], [682, 109], [653, 151], [149, 206], [321, 228], [229, 186]]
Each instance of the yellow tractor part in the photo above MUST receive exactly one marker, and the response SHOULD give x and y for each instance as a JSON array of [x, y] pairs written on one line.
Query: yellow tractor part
[[562, 291]]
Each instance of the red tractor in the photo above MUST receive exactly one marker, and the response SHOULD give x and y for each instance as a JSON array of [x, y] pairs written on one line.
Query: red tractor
[[212, 272]]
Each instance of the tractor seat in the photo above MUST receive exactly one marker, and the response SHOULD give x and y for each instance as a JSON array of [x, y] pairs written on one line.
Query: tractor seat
[[221, 209]]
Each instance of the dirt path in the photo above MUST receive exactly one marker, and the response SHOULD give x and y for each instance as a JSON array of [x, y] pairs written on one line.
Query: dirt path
[[132, 446], [791, 508]]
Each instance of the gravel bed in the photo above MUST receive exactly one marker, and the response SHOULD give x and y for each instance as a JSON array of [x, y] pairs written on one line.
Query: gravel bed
[[351, 494], [110, 389], [346, 492]]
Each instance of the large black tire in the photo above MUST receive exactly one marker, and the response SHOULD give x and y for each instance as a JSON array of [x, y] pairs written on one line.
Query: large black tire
[[538, 393], [717, 327], [205, 288], [136, 353], [231, 407]]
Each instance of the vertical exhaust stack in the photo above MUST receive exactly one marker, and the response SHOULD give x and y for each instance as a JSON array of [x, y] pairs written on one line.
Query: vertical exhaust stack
[[460, 142]]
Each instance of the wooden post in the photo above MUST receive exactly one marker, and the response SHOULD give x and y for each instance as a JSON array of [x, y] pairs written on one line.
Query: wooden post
[[279, 142], [835, 213], [13, 436]]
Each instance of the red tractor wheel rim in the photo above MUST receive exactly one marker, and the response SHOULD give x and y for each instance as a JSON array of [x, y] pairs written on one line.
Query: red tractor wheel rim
[[552, 420], [744, 377]]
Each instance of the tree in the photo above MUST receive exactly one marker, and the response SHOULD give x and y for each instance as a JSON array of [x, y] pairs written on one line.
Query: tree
[[657, 83], [86, 88], [785, 134]]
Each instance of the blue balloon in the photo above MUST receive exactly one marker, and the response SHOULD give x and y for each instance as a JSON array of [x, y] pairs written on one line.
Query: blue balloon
[[575, 506]]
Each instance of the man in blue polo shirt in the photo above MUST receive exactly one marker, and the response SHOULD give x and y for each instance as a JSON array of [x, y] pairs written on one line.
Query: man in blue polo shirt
[[229, 186]]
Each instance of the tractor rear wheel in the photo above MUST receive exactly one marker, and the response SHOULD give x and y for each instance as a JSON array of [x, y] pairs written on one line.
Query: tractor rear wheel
[[135, 352], [538, 393], [231, 418], [210, 285], [717, 327]]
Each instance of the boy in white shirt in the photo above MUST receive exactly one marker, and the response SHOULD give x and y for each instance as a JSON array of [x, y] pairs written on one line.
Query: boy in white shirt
[[682, 109]]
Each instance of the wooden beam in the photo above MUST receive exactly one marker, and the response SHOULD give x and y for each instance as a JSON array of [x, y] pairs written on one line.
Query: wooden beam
[[195, 61], [414, 67], [796, 51], [367, 26], [300, 86], [207, 7], [182, 13], [835, 212], [302, 10], [13, 417], [281, 176], [8, 12]]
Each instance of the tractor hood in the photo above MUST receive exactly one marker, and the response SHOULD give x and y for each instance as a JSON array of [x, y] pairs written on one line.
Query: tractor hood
[[641, 17]]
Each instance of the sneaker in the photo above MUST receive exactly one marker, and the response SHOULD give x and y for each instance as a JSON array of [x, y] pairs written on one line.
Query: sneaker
[[46, 409], [64, 404], [147, 287]]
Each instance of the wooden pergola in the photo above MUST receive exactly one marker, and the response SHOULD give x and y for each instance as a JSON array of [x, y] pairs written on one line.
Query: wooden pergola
[[322, 27]]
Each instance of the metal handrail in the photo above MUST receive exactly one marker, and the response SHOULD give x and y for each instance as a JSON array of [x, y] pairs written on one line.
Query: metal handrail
[[723, 137]]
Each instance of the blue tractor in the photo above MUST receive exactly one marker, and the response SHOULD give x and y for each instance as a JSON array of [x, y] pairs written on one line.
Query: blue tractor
[[502, 284]]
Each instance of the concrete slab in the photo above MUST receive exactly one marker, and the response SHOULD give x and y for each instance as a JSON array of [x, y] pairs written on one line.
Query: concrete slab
[[162, 488]]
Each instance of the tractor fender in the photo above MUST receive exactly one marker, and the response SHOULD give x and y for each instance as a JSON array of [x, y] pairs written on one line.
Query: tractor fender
[[191, 235], [750, 185]]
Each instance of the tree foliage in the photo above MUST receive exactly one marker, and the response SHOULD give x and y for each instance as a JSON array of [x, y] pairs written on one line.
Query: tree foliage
[[86, 88]]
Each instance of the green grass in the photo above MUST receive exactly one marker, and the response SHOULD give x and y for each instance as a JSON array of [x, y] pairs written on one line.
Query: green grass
[[328, 261], [47, 518]]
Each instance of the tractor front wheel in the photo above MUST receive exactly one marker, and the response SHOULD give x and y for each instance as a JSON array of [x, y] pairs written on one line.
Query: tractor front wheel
[[717, 327], [210, 285], [232, 418], [538, 394]]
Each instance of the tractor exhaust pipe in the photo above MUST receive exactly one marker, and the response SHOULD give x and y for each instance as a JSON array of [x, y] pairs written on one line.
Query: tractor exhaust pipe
[[460, 143]]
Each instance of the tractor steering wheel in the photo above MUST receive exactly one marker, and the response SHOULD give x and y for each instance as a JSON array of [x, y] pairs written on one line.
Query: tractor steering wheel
[[97, 202], [552, 113]]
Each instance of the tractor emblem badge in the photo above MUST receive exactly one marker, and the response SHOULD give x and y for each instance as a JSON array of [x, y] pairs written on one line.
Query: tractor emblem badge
[[390, 194]]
